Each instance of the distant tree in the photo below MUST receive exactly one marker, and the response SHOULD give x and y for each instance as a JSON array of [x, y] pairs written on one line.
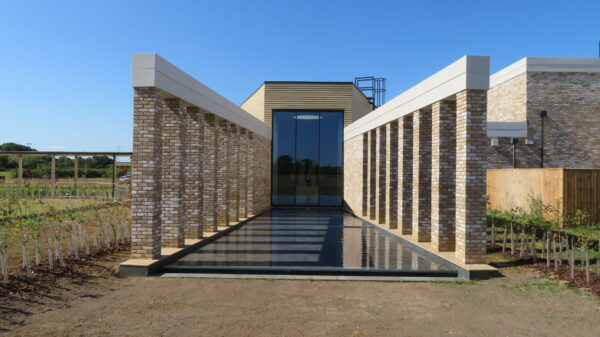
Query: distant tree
[[11, 162]]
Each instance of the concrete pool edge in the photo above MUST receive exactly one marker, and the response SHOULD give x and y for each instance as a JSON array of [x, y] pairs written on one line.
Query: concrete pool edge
[[140, 267], [466, 272], [146, 267]]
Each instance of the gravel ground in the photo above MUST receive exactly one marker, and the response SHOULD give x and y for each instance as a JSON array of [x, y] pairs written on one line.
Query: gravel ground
[[520, 304]]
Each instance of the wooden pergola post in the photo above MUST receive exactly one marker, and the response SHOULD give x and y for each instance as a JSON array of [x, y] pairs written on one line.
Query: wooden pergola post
[[20, 171], [75, 174], [114, 175], [53, 176]]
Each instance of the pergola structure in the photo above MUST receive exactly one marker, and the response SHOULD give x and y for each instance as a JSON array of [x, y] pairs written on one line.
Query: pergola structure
[[417, 163], [53, 154], [421, 161]]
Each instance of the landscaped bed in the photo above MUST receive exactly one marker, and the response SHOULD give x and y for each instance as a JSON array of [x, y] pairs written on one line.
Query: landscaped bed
[[36, 246]]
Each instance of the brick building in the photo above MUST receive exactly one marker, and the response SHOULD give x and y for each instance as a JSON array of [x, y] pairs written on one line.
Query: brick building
[[416, 165], [568, 89]]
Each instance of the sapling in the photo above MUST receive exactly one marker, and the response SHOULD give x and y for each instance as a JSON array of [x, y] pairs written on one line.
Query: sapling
[[533, 247], [522, 252], [106, 237], [84, 238], [4, 258], [493, 233], [554, 253], [58, 253], [38, 250], [97, 240], [25, 252], [504, 240], [512, 240], [572, 260], [587, 263], [50, 258], [74, 247], [547, 249]]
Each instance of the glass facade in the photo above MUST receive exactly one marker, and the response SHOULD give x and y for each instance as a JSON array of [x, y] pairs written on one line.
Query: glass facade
[[307, 158]]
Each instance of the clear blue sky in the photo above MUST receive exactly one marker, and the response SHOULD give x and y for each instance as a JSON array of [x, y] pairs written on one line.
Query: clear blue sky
[[65, 65]]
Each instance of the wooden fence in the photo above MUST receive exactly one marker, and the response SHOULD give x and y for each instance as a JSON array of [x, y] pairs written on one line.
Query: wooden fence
[[565, 189]]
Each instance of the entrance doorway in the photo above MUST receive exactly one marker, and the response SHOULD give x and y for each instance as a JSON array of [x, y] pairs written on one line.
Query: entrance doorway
[[307, 158]]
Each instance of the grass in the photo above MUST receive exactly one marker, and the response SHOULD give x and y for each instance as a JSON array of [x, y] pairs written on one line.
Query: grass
[[458, 283], [37, 206], [8, 174], [543, 287]]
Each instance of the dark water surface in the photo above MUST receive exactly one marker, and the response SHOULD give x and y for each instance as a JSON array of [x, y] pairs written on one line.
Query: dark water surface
[[310, 240]]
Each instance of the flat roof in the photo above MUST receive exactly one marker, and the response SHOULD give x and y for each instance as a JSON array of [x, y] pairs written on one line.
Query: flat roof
[[63, 153], [306, 82], [546, 64]]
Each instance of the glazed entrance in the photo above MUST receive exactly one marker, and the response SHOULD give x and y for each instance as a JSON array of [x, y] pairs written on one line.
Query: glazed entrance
[[307, 158]]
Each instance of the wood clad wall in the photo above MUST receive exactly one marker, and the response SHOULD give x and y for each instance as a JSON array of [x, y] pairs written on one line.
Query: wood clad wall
[[255, 104], [307, 96], [582, 191], [565, 189], [360, 104]]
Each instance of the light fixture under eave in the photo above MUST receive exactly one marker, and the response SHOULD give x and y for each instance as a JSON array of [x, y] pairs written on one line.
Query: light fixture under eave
[[307, 117]]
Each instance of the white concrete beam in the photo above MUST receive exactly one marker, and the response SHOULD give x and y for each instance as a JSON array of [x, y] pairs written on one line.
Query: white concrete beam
[[151, 70], [507, 129], [546, 64], [469, 72]]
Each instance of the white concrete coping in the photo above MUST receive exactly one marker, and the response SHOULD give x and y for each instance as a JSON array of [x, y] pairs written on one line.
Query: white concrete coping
[[151, 70], [469, 72], [507, 129], [546, 64]]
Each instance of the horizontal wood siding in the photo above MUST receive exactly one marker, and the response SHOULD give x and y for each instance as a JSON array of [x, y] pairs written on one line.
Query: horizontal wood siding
[[309, 96], [255, 104], [582, 191], [360, 105], [565, 189]]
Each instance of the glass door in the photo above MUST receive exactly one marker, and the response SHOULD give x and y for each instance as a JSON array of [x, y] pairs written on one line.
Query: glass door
[[307, 158]]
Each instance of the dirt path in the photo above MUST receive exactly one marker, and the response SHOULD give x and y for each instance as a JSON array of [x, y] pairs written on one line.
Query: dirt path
[[521, 304]]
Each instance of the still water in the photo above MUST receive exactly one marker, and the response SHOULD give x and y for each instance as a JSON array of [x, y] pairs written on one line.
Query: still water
[[311, 239]]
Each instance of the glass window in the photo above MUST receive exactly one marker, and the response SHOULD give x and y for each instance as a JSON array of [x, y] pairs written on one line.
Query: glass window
[[307, 158]]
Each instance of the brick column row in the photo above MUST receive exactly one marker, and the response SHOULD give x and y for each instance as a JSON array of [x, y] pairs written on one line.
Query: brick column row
[[243, 183], [222, 159], [365, 175], [422, 175], [372, 174], [391, 182], [443, 162], [251, 176], [194, 121], [405, 173], [233, 171], [172, 216], [209, 169], [471, 161], [145, 179], [381, 174]]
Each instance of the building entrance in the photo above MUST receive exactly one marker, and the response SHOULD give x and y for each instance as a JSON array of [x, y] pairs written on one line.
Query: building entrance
[[307, 158]]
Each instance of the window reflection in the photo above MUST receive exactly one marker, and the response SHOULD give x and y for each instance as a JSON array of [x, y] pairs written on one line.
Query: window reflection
[[307, 158]]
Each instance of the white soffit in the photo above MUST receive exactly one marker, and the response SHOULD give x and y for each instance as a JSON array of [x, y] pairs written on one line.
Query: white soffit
[[469, 72], [151, 70], [507, 129], [546, 64]]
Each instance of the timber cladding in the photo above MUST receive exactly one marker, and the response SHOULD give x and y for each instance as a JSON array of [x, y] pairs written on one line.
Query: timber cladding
[[307, 96], [567, 190]]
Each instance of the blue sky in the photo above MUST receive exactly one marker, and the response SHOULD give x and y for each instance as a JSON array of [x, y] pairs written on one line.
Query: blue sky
[[65, 65]]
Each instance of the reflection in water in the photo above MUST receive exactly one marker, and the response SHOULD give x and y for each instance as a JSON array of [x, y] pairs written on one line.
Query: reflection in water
[[315, 238]]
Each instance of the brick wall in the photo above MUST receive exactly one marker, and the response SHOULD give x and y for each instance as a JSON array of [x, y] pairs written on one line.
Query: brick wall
[[191, 172], [353, 173], [507, 101], [572, 126]]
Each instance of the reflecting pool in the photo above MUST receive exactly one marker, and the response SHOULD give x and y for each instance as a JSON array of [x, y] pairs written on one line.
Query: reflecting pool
[[309, 241]]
